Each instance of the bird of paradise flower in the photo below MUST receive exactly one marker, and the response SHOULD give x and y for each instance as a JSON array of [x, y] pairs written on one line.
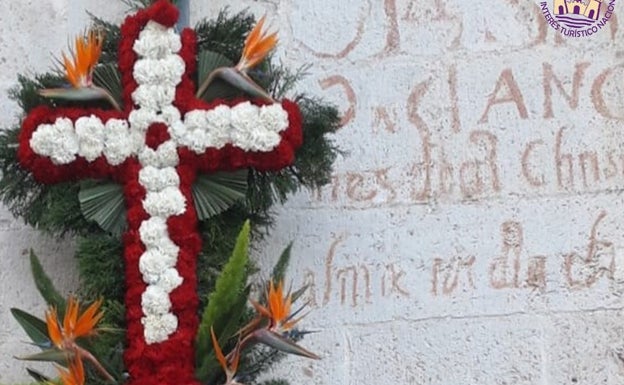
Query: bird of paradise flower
[[78, 69]]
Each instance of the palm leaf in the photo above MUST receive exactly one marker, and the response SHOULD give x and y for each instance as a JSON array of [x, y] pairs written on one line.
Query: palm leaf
[[215, 193], [220, 89], [108, 77], [209, 64], [104, 204], [209, 61]]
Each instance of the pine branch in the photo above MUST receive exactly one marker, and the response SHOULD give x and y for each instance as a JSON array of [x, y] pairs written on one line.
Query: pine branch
[[112, 36], [225, 34]]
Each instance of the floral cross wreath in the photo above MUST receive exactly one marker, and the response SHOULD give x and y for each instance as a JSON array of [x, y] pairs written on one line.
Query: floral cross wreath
[[155, 142]]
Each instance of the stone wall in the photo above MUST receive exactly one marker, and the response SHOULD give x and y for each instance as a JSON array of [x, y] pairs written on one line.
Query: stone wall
[[471, 233]]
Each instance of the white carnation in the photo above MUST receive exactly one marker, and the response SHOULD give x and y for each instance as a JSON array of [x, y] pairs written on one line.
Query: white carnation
[[66, 145], [194, 136], [165, 203], [178, 132], [148, 157], [166, 155], [220, 116], [117, 146], [153, 263], [261, 140], [273, 118], [140, 119], [256, 129], [153, 230], [148, 71], [156, 41], [167, 71], [173, 41], [136, 140], [195, 120], [244, 122], [156, 179], [166, 246], [57, 141], [157, 328], [153, 96], [42, 140], [219, 126], [90, 134], [155, 237], [244, 112], [197, 140], [170, 115], [155, 301], [151, 44], [169, 280], [245, 125]]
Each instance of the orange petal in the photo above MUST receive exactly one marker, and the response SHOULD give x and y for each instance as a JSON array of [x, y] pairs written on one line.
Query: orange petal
[[81, 52], [95, 49], [277, 302], [262, 49], [71, 316], [218, 352], [77, 370], [235, 359], [84, 56], [260, 309], [75, 374], [257, 46], [70, 72], [53, 327], [254, 35], [271, 304], [286, 306], [87, 321]]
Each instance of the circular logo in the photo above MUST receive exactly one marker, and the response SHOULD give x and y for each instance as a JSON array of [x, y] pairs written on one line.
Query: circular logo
[[578, 18]]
